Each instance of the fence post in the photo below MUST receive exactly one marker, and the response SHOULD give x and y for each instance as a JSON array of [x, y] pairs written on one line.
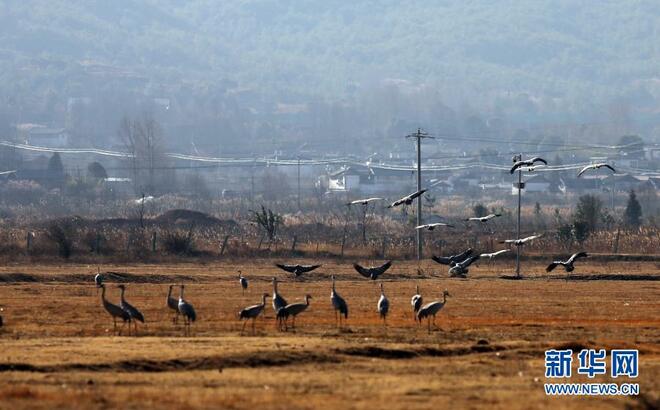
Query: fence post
[[28, 239], [97, 245], [293, 245], [224, 245], [616, 240], [343, 243]]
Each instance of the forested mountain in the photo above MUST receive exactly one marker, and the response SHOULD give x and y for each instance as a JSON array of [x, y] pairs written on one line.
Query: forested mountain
[[553, 61]]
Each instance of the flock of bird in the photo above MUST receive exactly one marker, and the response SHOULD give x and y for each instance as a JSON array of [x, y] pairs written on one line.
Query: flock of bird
[[458, 267]]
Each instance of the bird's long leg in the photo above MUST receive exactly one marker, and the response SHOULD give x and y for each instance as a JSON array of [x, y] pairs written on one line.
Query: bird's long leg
[[243, 328], [254, 331], [114, 328]]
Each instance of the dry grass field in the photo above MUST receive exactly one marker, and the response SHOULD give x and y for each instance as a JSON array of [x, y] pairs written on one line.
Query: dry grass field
[[57, 349]]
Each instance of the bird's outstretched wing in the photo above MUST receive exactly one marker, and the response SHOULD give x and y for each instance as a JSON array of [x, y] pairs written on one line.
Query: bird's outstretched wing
[[491, 255], [552, 266], [288, 268], [467, 262], [518, 165], [372, 272], [307, 268], [463, 255], [538, 159], [530, 238], [396, 203], [416, 194], [297, 269], [441, 260], [362, 271], [610, 167], [577, 256], [583, 170]]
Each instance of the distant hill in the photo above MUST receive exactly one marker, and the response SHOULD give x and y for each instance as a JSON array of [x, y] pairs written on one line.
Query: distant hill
[[559, 54]]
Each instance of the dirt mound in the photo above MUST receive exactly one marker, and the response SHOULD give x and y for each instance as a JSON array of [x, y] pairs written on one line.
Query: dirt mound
[[188, 217], [402, 353], [253, 360], [114, 277]]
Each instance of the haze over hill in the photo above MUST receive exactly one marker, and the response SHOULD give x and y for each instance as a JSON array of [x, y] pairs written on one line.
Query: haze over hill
[[275, 70]]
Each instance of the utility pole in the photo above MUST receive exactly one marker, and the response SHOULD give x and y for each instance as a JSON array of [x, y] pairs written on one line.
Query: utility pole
[[520, 187], [419, 135]]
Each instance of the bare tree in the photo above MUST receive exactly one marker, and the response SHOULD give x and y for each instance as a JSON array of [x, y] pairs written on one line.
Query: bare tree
[[144, 140]]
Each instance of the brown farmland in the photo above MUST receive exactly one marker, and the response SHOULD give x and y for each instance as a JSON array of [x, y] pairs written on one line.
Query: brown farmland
[[57, 349]]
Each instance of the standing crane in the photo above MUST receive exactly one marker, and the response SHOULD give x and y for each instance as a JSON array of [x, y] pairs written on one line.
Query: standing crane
[[243, 281], [187, 311], [278, 301], [383, 305], [98, 280], [115, 311], [134, 314], [252, 312], [416, 301], [338, 303], [173, 304], [293, 310], [431, 309]]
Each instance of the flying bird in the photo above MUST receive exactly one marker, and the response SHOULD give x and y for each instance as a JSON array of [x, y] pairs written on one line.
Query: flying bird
[[494, 254], [483, 218], [521, 242], [460, 269], [430, 227], [372, 272], [365, 201], [297, 269], [453, 259], [527, 163], [406, 199], [568, 264], [595, 166]]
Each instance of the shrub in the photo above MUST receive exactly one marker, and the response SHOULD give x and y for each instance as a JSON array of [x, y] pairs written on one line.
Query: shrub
[[62, 234], [179, 243]]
